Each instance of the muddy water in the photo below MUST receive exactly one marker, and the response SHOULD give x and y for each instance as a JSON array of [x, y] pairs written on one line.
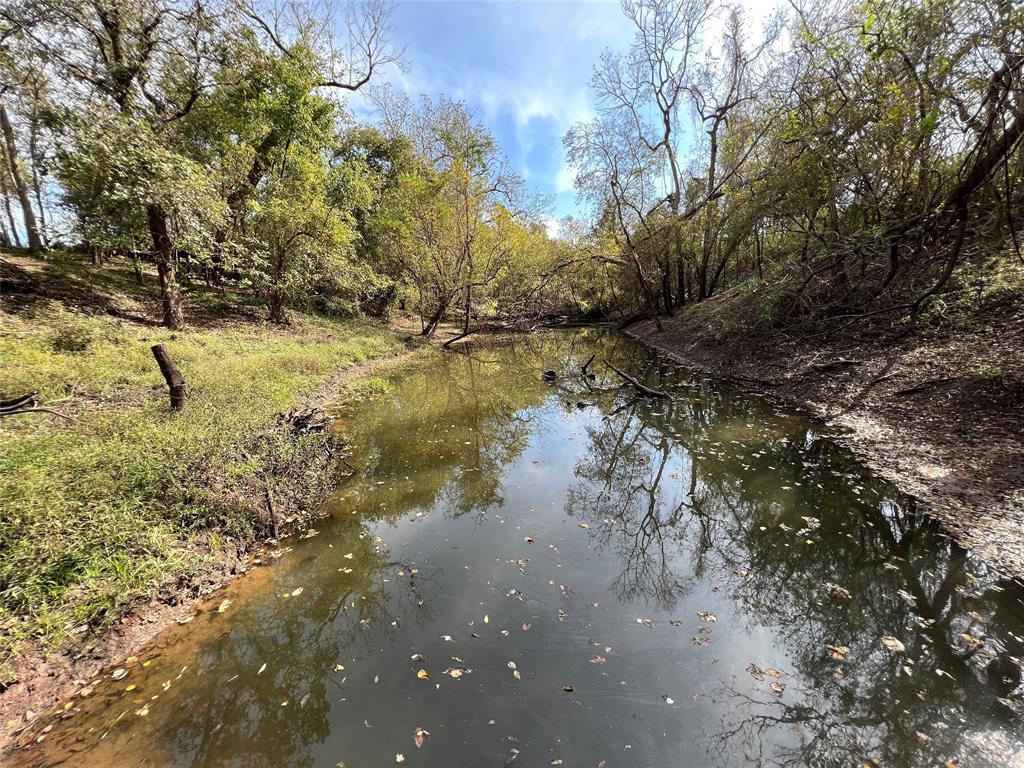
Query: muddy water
[[558, 573]]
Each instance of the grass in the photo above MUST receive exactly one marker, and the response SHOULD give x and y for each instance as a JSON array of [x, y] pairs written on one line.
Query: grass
[[101, 511]]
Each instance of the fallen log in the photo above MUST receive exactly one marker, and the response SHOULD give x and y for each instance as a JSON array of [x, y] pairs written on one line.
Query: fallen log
[[641, 388]]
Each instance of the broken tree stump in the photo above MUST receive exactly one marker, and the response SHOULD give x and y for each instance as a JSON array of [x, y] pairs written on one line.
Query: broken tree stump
[[175, 381]]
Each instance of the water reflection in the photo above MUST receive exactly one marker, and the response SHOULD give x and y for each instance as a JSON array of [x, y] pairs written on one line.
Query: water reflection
[[590, 527]]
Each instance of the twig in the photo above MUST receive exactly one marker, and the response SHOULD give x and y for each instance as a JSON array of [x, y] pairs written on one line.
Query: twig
[[37, 410]]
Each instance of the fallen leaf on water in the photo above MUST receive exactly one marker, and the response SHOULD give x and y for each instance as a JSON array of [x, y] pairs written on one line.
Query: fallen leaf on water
[[526, 627], [646, 622], [908, 598], [143, 711], [528, 539], [836, 590], [296, 592], [422, 674], [556, 761], [676, 622], [419, 736], [187, 619], [668, 699], [487, 619], [893, 644], [598, 660], [224, 605], [777, 688], [707, 616], [119, 673], [838, 651], [446, 638], [262, 668], [568, 688], [130, 688], [399, 757], [584, 525], [756, 672], [773, 672]]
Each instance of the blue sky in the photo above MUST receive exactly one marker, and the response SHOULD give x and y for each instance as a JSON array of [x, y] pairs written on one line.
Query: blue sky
[[522, 66]]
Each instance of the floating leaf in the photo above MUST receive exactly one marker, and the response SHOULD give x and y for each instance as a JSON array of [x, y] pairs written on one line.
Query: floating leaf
[[224, 605], [419, 736], [119, 674], [707, 616], [908, 598], [668, 699], [838, 651], [422, 674], [777, 688], [893, 644], [598, 660], [399, 757], [296, 592]]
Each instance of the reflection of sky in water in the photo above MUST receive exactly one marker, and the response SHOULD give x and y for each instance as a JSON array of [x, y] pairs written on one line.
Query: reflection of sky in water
[[713, 503]]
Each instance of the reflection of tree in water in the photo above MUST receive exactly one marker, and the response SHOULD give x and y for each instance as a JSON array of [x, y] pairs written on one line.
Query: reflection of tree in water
[[455, 424], [659, 488], [620, 492]]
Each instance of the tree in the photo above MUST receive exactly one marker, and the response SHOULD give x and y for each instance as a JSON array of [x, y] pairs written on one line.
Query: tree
[[35, 243]]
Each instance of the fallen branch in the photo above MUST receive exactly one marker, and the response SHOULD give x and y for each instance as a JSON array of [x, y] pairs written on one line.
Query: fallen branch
[[586, 365], [37, 410], [924, 385], [27, 404], [833, 364], [641, 388], [452, 340]]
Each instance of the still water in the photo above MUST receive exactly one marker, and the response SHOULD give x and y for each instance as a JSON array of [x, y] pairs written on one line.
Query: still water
[[538, 573]]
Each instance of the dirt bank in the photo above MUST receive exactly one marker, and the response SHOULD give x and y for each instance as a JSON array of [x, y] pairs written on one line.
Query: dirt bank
[[940, 414]]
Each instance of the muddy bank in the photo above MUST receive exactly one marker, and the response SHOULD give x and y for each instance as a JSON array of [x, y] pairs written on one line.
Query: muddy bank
[[40, 681], [941, 416]]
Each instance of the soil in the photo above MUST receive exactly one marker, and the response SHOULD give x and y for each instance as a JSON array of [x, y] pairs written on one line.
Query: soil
[[938, 413]]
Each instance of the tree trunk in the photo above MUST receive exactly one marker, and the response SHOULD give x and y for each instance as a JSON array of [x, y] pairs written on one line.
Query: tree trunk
[[37, 187], [35, 244], [275, 305], [175, 381], [15, 237], [652, 308], [137, 267], [435, 319], [166, 267]]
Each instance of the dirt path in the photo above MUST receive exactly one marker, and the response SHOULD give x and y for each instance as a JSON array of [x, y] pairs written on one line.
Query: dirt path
[[941, 417]]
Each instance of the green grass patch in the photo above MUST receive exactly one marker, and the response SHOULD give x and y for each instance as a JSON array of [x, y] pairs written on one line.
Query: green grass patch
[[97, 512]]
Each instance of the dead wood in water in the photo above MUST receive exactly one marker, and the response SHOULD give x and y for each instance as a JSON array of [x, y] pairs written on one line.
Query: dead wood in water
[[641, 388]]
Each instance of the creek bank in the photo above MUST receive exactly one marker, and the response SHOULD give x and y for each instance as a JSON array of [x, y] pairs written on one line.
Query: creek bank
[[40, 679], [941, 415]]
